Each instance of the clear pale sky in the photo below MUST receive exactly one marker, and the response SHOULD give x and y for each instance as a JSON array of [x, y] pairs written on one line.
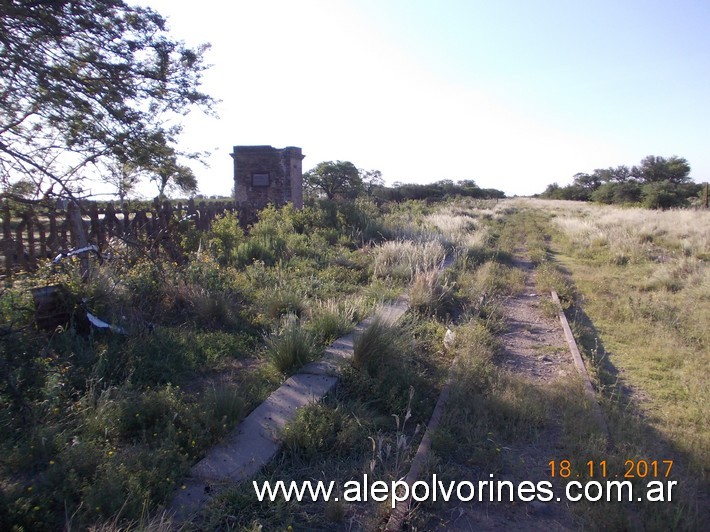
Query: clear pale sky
[[513, 94]]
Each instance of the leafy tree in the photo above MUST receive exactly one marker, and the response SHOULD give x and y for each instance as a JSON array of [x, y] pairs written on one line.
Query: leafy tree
[[339, 178], [620, 174], [552, 191], [588, 181], [84, 80], [371, 180], [123, 176], [657, 182], [169, 174], [573, 192], [654, 169], [19, 189]]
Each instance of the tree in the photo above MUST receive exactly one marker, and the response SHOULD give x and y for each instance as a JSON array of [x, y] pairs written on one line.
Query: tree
[[339, 178], [588, 181], [19, 189], [84, 80], [552, 191], [123, 176], [168, 173], [371, 180], [654, 169]]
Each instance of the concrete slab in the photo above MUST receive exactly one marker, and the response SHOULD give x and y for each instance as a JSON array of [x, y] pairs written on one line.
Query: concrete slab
[[257, 438], [391, 312], [334, 358]]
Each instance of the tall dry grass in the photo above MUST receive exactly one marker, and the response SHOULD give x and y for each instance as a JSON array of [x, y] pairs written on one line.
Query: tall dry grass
[[639, 233], [401, 259], [643, 283], [460, 229]]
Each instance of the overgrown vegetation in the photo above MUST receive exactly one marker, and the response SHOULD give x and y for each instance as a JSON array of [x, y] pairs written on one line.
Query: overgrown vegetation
[[656, 183], [371, 424], [100, 425]]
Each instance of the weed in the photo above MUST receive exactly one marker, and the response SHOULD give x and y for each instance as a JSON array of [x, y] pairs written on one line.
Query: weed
[[332, 319], [224, 407], [224, 237], [376, 345], [291, 346], [432, 295], [322, 428], [281, 301]]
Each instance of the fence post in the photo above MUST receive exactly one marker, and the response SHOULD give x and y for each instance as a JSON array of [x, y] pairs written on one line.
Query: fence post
[[80, 238], [7, 238], [28, 216]]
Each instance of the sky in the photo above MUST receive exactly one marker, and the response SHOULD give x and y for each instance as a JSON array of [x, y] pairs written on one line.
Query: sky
[[513, 94]]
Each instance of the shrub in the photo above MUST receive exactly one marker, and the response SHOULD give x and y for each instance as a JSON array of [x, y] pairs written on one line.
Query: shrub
[[664, 195], [224, 237], [255, 250], [619, 193]]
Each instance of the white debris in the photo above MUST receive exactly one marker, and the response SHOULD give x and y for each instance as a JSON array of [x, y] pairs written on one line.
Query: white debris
[[449, 338]]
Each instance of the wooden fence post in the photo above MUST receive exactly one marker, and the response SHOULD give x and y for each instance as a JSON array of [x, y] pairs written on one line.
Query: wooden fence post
[[7, 238], [80, 238]]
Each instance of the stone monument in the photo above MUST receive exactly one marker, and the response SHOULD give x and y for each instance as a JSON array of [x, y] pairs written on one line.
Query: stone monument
[[263, 175]]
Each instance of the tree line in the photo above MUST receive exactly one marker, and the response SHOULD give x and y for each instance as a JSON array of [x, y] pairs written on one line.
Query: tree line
[[656, 183], [343, 180]]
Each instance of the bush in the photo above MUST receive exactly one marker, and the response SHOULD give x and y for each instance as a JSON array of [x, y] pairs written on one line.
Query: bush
[[323, 429], [281, 301], [255, 250], [386, 366], [376, 346], [664, 195], [224, 237], [619, 193]]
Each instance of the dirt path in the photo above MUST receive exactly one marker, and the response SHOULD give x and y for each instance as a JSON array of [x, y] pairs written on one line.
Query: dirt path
[[534, 346], [535, 351]]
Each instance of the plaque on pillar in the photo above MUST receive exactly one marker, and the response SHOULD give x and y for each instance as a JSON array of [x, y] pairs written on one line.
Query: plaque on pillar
[[260, 180]]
